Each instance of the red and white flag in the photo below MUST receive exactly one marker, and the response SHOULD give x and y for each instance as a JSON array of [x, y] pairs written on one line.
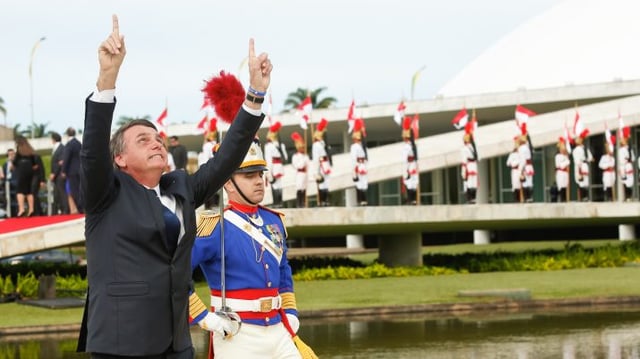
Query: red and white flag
[[304, 110], [611, 139], [523, 114], [160, 123], [578, 127], [205, 104], [460, 120], [202, 125], [415, 126], [398, 115], [351, 116]]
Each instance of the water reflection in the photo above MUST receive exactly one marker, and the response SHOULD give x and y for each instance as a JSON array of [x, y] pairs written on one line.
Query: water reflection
[[611, 335]]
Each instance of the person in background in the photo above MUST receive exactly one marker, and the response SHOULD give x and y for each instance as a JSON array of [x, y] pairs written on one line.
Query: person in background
[[71, 171], [209, 146], [608, 166], [60, 203], [140, 222], [179, 153], [582, 159], [38, 182], [359, 162], [9, 175], [562, 163], [410, 176], [276, 155], [469, 170], [625, 164], [25, 168], [321, 157], [513, 162], [300, 162], [257, 282], [526, 166]]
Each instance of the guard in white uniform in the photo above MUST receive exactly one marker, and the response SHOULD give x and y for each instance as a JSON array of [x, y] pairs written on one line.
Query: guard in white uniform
[[626, 160], [410, 175], [513, 162], [469, 169], [359, 162], [300, 162], [582, 159], [562, 163], [275, 154], [321, 158], [526, 168], [608, 166]]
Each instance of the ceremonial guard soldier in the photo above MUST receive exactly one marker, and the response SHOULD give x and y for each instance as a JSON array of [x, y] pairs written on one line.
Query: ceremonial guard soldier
[[321, 157], [300, 162], [513, 162], [244, 259], [209, 147], [275, 154], [625, 163], [359, 162], [526, 165], [410, 176], [608, 166], [581, 160], [469, 170], [562, 163]]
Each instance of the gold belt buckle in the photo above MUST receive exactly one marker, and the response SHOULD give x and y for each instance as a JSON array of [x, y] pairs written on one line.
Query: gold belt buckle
[[265, 305]]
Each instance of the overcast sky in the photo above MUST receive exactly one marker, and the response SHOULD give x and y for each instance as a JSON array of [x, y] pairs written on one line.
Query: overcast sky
[[367, 50]]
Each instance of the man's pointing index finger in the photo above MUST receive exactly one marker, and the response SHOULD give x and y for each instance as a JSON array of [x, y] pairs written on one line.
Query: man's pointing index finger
[[252, 51]]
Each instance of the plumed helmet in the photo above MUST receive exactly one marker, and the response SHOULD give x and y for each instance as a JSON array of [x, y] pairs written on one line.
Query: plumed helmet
[[273, 131], [254, 160], [406, 127], [297, 140], [320, 129]]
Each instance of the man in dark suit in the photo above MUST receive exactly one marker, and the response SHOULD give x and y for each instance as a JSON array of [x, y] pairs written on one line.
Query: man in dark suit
[[60, 202], [179, 153], [138, 263], [71, 169]]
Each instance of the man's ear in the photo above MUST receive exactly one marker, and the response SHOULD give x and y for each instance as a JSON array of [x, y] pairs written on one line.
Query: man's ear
[[119, 161], [229, 187]]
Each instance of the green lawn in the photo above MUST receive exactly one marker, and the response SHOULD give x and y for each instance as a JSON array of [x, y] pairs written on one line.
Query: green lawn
[[338, 294]]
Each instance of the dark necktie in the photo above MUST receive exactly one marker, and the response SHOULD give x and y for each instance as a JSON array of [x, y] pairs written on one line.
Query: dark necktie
[[171, 226]]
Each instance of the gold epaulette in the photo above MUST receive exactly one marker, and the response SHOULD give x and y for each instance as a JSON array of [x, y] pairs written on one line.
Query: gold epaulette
[[206, 223]]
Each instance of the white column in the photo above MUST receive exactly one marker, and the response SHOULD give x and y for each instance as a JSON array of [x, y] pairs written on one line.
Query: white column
[[353, 240], [626, 232], [482, 236]]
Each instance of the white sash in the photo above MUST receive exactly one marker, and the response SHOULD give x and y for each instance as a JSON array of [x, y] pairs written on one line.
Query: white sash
[[254, 233]]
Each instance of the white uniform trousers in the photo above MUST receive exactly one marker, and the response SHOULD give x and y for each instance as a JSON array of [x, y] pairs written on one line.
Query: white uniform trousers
[[256, 342]]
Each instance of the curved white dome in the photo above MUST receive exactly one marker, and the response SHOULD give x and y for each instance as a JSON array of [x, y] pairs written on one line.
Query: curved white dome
[[574, 42]]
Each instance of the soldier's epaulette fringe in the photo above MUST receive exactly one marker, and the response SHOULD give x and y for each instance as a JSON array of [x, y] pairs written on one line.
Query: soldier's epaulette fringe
[[206, 223]]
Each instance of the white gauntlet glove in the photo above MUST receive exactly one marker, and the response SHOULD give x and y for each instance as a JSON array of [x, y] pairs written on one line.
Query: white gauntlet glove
[[294, 323], [221, 323]]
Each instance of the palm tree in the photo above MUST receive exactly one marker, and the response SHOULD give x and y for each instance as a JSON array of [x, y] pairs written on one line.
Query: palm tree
[[3, 109], [295, 98], [126, 119]]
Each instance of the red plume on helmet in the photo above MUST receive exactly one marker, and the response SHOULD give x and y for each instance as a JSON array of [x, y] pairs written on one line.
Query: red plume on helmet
[[296, 137], [275, 127], [322, 125], [226, 94], [213, 125]]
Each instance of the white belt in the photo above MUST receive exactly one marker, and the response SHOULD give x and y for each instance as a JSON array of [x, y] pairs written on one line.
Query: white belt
[[260, 305]]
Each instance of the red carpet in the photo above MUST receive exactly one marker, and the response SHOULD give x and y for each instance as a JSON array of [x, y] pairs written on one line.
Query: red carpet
[[18, 224]]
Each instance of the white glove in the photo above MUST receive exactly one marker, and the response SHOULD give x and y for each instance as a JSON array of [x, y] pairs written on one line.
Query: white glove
[[220, 324], [294, 323]]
